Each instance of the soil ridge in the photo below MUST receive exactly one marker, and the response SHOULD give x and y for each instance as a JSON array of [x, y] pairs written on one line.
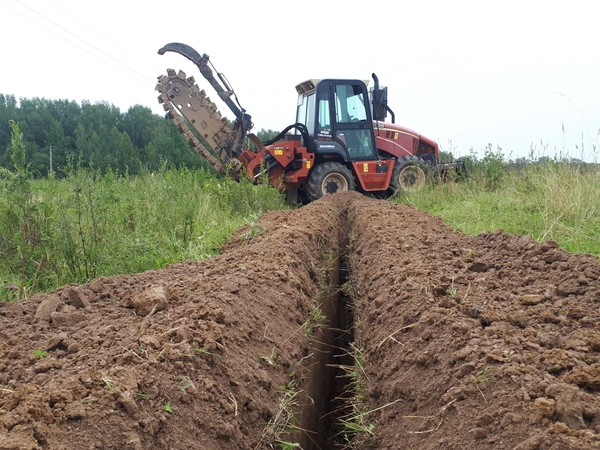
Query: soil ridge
[[490, 341]]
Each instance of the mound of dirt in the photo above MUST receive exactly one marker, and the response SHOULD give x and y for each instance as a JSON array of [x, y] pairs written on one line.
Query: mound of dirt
[[192, 356], [473, 342], [464, 342]]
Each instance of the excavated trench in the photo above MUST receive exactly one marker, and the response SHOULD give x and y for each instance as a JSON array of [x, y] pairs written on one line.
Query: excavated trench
[[327, 389], [471, 342]]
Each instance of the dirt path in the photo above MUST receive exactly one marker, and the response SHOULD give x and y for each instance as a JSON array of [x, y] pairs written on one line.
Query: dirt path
[[465, 342]]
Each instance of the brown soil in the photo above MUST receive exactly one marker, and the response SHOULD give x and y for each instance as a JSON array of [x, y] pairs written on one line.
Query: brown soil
[[468, 342], [482, 342]]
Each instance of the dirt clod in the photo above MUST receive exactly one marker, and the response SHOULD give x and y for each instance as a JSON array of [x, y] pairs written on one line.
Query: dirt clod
[[77, 298], [46, 307], [544, 406], [67, 319], [585, 377], [150, 300], [55, 341]]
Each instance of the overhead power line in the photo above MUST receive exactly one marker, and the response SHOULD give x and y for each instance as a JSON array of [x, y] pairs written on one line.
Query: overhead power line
[[83, 40], [143, 79], [106, 39]]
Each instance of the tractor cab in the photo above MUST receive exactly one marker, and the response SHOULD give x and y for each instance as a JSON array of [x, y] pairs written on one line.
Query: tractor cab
[[338, 118]]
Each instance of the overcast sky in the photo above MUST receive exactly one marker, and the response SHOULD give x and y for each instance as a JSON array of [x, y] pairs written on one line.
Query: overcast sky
[[464, 73]]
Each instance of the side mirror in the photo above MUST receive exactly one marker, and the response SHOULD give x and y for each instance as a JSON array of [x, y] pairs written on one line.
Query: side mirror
[[379, 103], [378, 100], [380, 108]]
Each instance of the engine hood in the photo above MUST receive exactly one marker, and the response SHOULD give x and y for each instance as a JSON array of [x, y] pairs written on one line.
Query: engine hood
[[400, 129]]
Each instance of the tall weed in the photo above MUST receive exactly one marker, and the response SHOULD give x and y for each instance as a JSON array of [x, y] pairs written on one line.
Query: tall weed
[[91, 224], [568, 200], [489, 172], [544, 199], [23, 224]]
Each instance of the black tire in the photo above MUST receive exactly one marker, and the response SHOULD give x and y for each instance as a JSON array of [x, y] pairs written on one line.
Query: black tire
[[329, 178], [409, 175]]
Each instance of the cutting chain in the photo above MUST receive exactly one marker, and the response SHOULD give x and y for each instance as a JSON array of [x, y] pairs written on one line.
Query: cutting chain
[[185, 103]]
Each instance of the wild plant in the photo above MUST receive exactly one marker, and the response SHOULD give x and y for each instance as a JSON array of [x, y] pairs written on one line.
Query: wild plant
[[23, 221]]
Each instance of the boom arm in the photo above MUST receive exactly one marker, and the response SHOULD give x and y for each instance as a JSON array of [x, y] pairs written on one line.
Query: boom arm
[[202, 64]]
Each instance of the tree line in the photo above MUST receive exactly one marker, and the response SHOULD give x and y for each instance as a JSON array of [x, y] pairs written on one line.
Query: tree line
[[96, 135], [100, 135]]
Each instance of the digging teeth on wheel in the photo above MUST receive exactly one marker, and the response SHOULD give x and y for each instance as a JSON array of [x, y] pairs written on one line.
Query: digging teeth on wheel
[[186, 103], [197, 117]]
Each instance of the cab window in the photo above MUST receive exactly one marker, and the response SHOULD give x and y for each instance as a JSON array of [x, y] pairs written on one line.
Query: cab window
[[306, 112], [349, 104]]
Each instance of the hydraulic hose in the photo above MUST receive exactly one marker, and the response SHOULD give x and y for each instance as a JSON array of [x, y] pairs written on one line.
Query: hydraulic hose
[[298, 126]]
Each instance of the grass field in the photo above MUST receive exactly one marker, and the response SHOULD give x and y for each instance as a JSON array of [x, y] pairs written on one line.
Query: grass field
[[548, 200], [55, 232]]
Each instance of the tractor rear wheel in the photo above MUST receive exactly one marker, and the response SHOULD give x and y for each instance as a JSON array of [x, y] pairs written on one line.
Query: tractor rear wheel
[[408, 175], [329, 178]]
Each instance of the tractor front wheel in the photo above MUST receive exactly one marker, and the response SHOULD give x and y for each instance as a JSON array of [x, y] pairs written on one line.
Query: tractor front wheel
[[329, 178], [408, 175]]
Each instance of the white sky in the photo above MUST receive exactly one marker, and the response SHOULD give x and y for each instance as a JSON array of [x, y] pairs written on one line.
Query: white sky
[[510, 73]]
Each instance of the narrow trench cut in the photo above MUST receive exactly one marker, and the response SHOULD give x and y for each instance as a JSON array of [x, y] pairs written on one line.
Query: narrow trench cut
[[327, 391]]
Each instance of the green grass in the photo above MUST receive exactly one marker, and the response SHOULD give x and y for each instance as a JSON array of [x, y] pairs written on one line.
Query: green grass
[[40, 353], [356, 424], [55, 232], [284, 423], [549, 200]]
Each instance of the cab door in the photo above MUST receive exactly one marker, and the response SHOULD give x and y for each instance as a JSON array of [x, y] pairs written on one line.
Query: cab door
[[351, 117]]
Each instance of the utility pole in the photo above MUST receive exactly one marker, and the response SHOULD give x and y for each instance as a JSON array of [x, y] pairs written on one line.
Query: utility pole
[[50, 159]]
